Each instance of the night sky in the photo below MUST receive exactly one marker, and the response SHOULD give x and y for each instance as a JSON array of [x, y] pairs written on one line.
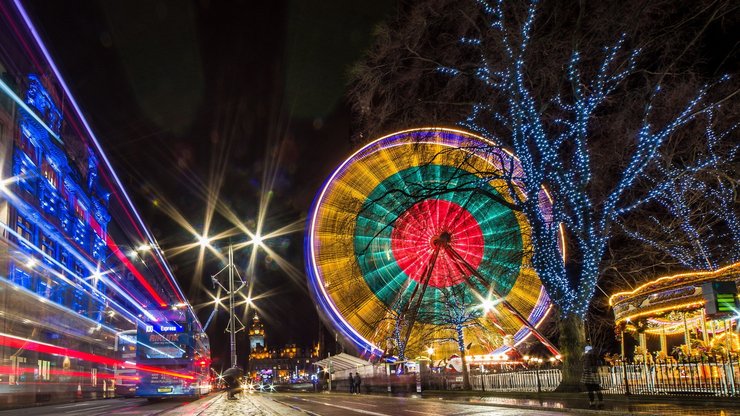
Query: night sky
[[181, 93]]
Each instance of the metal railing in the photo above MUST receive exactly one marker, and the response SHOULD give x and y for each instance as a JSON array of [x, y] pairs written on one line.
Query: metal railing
[[528, 380], [705, 376], [713, 376]]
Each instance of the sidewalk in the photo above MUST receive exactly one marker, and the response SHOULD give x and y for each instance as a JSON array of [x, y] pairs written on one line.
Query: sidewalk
[[616, 405]]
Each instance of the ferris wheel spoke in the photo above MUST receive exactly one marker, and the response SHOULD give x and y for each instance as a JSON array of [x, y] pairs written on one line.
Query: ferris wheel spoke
[[522, 319], [415, 310]]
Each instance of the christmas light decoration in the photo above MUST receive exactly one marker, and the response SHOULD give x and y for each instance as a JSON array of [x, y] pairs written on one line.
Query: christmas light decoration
[[700, 236], [556, 154]]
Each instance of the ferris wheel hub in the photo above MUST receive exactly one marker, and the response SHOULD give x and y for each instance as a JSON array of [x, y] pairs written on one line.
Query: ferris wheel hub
[[443, 239]]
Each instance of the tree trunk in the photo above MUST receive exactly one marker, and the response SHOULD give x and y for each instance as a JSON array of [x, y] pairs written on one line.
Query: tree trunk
[[461, 348], [572, 342], [466, 373]]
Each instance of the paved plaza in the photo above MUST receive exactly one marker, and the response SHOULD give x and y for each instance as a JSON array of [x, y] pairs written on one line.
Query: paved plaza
[[246, 405]]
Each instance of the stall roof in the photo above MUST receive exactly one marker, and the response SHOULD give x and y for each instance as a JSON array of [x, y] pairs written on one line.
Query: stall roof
[[342, 362]]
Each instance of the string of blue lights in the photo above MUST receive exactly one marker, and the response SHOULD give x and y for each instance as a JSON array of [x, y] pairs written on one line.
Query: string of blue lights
[[556, 154]]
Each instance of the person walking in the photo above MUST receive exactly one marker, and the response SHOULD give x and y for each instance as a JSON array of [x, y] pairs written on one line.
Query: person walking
[[351, 384], [590, 377], [357, 383]]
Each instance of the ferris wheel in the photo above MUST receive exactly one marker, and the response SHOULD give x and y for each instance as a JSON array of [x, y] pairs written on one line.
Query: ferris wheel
[[416, 239]]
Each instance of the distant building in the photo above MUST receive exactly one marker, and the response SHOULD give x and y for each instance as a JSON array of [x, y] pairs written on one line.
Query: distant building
[[284, 365], [256, 335]]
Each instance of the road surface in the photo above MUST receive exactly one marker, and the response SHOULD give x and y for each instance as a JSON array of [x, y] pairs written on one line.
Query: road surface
[[271, 404]]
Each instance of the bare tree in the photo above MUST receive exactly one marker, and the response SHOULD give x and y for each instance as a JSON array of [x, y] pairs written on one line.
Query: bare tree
[[499, 62], [455, 312]]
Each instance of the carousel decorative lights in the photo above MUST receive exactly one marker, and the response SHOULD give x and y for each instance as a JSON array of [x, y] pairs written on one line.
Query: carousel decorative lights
[[676, 304]]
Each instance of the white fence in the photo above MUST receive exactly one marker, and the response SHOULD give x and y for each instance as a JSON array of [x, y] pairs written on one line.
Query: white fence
[[537, 380], [705, 377]]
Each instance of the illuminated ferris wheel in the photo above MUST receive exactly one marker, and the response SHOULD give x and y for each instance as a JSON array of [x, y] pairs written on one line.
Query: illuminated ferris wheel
[[415, 237]]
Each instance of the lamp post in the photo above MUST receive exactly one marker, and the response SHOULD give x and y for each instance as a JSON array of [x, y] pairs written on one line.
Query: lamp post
[[536, 363], [231, 291]]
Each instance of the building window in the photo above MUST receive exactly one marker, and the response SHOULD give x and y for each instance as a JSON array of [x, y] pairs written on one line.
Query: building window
[[64, 258], [48, 247], [80, 235], [24, 228], [99, 252], [16, 369], [58, 292], [21, 278], [79, 300], [80, 211], [79, 271], [44, 287], [25, 145], [50, 174], [44, 370]]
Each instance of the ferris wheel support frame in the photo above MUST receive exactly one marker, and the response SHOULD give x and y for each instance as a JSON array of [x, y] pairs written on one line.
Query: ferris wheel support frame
[[524, 321], [415, 310]]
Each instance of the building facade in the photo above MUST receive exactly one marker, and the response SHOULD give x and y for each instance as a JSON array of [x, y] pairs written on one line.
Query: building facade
[[77, 265], [289, 364]]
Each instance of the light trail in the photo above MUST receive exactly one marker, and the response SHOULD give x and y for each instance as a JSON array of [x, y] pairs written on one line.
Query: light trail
[[129, 204], [9, 92], [12, 341], [81, 280], [139, 277]]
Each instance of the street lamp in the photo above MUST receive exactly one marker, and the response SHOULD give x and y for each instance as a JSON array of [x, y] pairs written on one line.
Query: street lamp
[[536, 362], [488, 305], [204, 241]]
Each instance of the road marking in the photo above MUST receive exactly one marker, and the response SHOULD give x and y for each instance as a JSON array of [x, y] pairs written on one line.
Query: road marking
[[423, 413], [366, 412], [361, 404], [87, 409], [72, 405]]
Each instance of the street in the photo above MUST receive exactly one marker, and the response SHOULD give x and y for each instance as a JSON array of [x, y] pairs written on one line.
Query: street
[[139, 407], [387, 406], [339, 404], [274, 404]]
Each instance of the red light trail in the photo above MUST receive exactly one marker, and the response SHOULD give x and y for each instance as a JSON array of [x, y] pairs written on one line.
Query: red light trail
[[22, 343]]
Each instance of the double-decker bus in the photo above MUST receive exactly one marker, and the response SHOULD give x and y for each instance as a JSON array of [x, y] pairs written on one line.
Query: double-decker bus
[[173, 357], [125, 376]]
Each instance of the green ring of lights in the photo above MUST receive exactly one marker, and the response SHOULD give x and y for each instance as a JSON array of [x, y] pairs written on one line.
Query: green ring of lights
[[503, 246]]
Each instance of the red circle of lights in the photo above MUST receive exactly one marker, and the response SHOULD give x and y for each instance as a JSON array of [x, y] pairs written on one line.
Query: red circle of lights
[[417, 231]]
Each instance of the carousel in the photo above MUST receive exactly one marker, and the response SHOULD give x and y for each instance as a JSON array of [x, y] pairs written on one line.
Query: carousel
[[681, 316]]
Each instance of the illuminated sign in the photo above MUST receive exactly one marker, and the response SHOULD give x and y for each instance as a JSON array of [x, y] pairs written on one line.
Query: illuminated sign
[[167, 327], [721, 298]]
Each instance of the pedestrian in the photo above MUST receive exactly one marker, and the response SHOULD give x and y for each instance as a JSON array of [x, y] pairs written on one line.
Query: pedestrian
[[357, 383], [591, 377], [351, 384]]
